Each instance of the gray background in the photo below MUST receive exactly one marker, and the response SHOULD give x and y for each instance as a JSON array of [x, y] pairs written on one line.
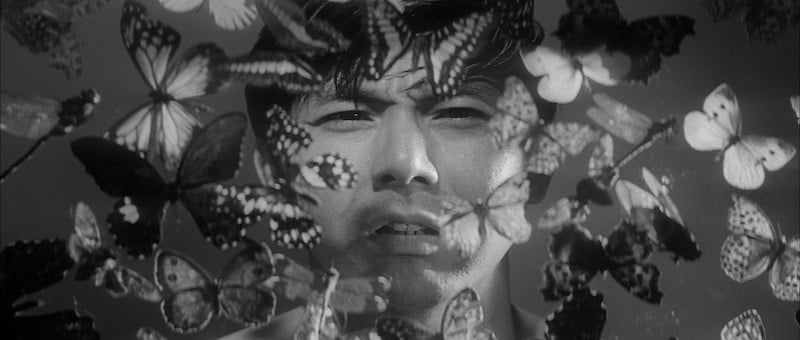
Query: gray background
[[699, 298]]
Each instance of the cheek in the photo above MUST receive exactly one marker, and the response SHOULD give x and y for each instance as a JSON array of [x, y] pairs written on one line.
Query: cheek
[[472, 168]]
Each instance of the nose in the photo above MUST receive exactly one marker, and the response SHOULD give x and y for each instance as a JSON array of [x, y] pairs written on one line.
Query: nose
[[402, 161]]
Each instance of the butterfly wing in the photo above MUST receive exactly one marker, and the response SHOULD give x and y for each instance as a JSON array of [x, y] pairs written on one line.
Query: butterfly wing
[[573, 137], [640, 279], [131, 282], [646, 40], [232, 14], [661, 192], [150, 43], [461, 227], [462, 315], [785, 275], [389, 37], [561, 81], [215, 153], [30, 117], [87, 231], [746, 218], [30, 266], [117, 170], [273, 68], [292, 227], [602, 157], [722, 106], [396, 328], [451, 46], [189, 295], [772, 153], [242, 297], [631, 195], [223, 213], [766, 21], [328, 171], [194, 74], [135, 224], [704, 133], [743, 258], [507, 209], [516, 20], [181, 6], [720, 10], [565, 211], [581, 316], [746, 326], [286, 22], [741, 168], [361, 295], [619, 119], [519, 115]]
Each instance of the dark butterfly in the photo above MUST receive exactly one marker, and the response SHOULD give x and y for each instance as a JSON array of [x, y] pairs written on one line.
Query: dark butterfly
[[285, 70], [581, 316], [163, 126], [461, 320], [41, 118], [516, 20], [100, 264], [577, 257], [288, 24], [43, 32], [27, 267], [222, 213], [288, 182], [590, 26], [657, 215], [192, 297], [766, 20]]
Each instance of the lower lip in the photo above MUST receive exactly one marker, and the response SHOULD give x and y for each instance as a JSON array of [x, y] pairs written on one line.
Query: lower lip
[[416, 245]]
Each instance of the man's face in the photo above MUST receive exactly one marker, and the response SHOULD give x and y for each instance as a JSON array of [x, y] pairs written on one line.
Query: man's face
[[410, 150]]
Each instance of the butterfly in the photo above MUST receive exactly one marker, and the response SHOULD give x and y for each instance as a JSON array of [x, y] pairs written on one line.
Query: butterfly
[[228, 14], [794, 101], [658, 215], [463, 223], [288, 24], [40, 118], [461, 320], [284, 70], [222, 212], [359, 295], [577, 257], [765, 20], [719, 126], [192, 297], [756, 246], [289, 182], [99, 263], [147, 333], [745, 326], [27, 267], [581, 316], [162, 127]]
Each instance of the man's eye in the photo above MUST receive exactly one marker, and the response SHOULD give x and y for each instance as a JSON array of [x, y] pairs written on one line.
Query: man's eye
[[342, 116], [462, 113]]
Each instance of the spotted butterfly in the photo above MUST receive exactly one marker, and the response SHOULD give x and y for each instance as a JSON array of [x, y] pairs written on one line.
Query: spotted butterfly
[[461, 320], [162, 127], [222, 212], [42, 32], [658, 215], [577, 257], [286, 22], [464, 223], [765, 20], [192, 297], [100, 264], [27, 267], [289, 182], [581, 316], [41, 118], [744, 158], [228, 14], [745, 326], [285, 70], [756, 246]]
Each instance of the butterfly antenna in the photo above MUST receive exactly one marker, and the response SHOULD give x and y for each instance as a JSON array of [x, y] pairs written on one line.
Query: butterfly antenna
[[14, 167]]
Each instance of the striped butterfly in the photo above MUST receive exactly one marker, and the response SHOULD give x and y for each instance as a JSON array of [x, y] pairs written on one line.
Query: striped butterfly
[[461, 320], [745, 326], [162, 127], [27, 267], [289, 183], [192, 297], [464, 223], [581, 316], [40, 118], [228, 14], [577, 257], [658, 215], [719, 127], [756, 246], [286, 22], [221, 212], [285, 70], [99, 263], [765, 20]]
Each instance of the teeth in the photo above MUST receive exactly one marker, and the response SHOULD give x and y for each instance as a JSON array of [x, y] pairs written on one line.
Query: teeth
[[402, 229]]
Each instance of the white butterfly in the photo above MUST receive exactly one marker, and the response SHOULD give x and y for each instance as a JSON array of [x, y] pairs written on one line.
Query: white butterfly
[[719, 128], [228, 14], [564, 75], [755, 246], [745, 326], [795, 102], [164, 125]]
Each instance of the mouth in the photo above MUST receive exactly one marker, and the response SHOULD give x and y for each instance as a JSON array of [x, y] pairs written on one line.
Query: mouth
[[406, 229], [404, 232]]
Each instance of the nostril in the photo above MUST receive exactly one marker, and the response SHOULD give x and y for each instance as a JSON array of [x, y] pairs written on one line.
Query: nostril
[[387, 179]]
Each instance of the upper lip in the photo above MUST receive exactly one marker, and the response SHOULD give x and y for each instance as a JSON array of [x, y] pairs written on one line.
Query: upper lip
[[382, 217]]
